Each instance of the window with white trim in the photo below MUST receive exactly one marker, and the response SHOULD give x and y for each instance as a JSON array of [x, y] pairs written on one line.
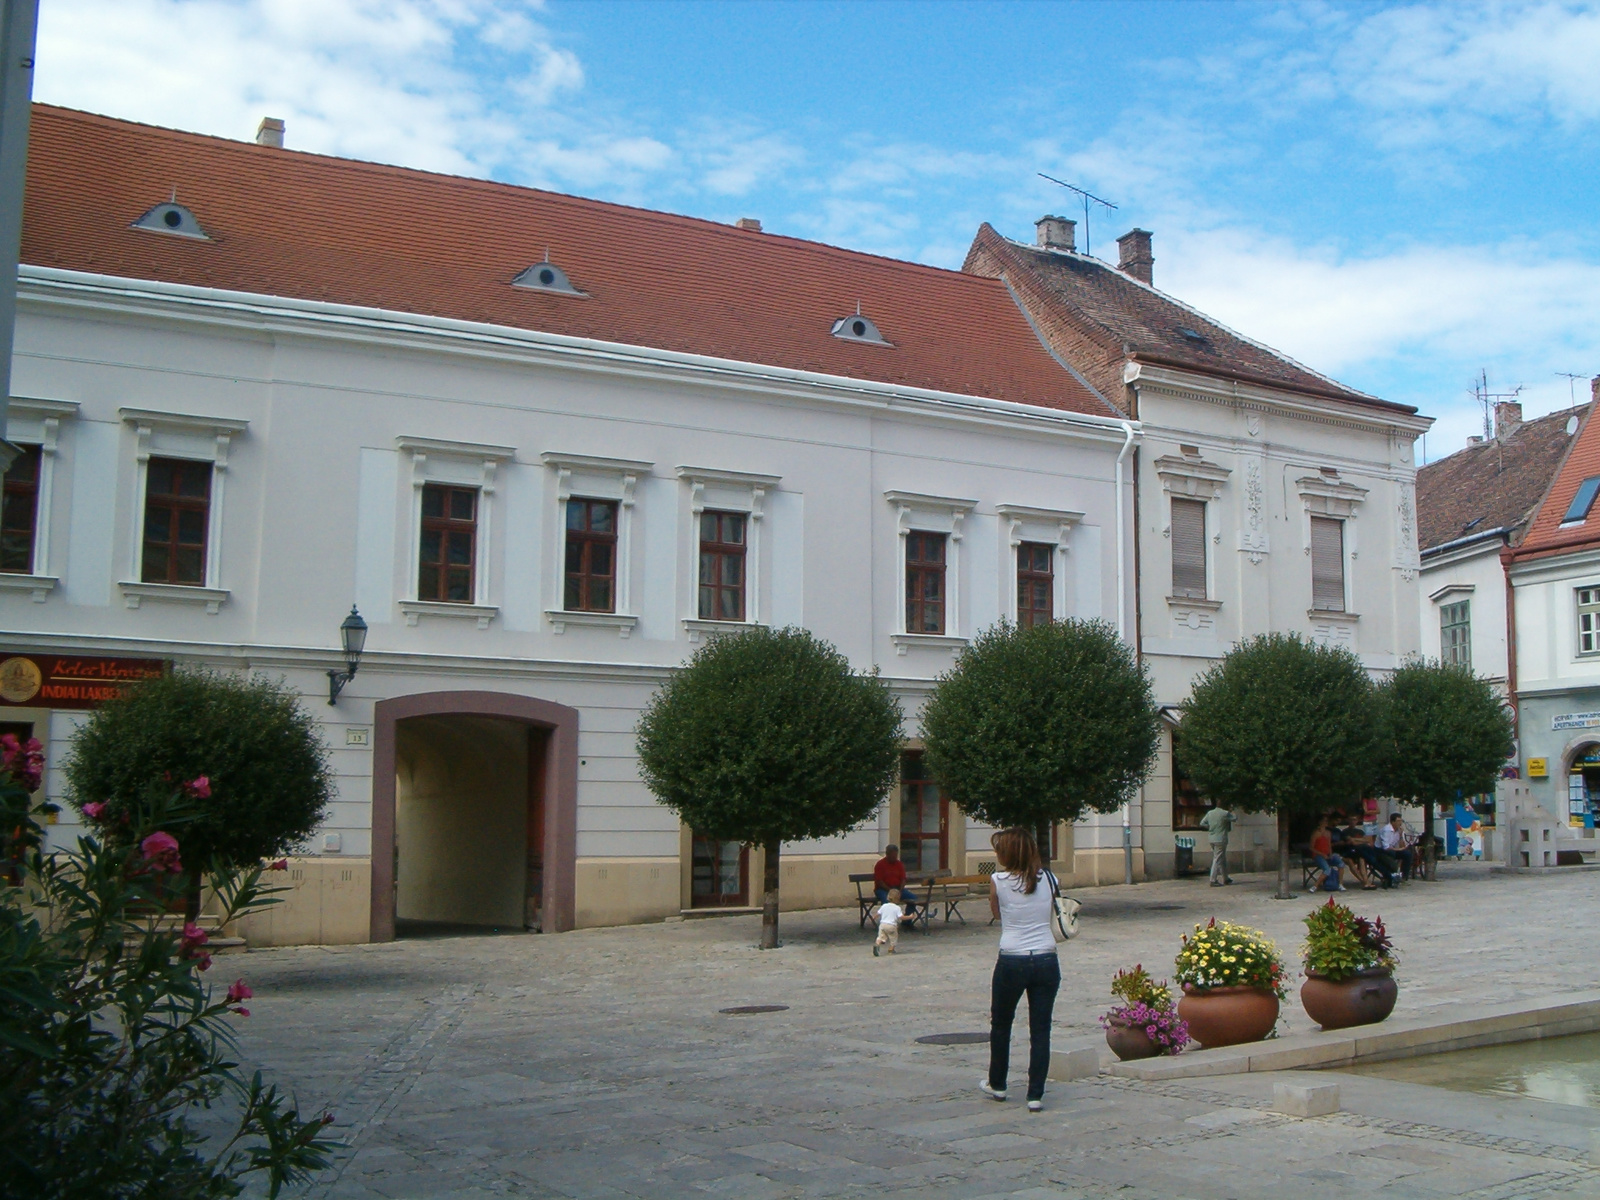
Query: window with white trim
[[1327, 564], [1329, 532], [928, 562], [1589, 620], [25, 558], [1455, 633], [453, 490], [591, 579], [1035, 542], [726, 576], [1189, 548]]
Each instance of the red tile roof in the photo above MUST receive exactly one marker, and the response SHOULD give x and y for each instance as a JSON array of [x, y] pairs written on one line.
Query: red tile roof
[[1496, 484], [1124, 319], [1546, 536], [312, 227]]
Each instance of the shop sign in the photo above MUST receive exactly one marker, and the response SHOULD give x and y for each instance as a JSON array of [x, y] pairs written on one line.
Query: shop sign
[[1583, 720], [1538, 768], [70, 680]]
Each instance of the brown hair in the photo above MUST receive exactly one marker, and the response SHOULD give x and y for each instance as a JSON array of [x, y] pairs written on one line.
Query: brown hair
[[1018, 854]]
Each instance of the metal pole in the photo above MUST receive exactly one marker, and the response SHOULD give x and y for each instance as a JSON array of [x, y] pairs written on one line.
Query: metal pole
[[18, 22]]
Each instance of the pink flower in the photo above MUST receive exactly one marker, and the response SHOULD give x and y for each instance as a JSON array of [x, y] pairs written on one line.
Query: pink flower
[[199, 788], [281, 865], [23, 761], [161, 852], [193, 935], [94, 810], [240, 991]]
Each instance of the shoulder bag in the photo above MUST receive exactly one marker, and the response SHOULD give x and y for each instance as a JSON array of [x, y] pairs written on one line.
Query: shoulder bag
[[1064, 914]]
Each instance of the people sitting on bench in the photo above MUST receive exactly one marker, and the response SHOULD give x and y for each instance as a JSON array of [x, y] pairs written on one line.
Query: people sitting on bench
[[889, 874], [1322, 852], [1395, 841], [1350, 842]]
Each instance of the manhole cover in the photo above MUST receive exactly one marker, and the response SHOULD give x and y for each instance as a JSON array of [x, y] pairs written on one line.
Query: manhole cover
[[954, 1039], [1166, 907], [756, 1008]]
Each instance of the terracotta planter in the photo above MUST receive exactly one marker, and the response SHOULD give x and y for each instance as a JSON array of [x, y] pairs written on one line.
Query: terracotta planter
[[1227, 1016], [1363, 999], [1127, 1041]]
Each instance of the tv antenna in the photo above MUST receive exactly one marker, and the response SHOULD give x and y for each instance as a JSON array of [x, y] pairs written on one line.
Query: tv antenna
[[1572, 395], [1486, 399], [1087, 197]]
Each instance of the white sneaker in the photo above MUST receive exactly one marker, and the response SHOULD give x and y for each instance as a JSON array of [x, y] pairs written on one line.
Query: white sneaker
[[1035, 1105], [992, 1093]]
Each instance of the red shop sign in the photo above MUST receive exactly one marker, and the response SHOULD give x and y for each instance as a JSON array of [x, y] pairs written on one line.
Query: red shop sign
[[69, 680]]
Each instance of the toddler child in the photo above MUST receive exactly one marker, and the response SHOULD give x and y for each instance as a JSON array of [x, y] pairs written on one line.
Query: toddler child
[[889, 914]]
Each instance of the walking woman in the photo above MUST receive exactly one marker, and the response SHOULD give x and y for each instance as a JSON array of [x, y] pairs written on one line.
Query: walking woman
[[1020, 894]]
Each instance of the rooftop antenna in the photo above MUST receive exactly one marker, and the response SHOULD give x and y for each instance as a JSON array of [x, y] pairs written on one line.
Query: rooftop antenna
[[1087, 197], [1572, 395], [1486, 399]]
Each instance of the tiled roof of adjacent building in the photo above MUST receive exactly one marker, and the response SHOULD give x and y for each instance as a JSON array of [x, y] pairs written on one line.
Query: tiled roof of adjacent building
[[1115, 317], [311, 227], [1550, 533], [1496, 484]]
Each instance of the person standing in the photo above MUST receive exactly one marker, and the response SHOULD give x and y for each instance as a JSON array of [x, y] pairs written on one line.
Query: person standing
[[1218, 822], [1022, 896]]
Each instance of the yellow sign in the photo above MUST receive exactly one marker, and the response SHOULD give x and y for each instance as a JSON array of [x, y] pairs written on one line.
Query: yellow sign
[[1538, 768]]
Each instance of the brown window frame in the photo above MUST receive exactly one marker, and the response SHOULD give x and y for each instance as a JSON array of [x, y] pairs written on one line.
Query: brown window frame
[[433, 576], [1034, 581], [175, 503], [704, 849], [720, 557], [919, 792], [17, 486], [585, 539], [920, 570]]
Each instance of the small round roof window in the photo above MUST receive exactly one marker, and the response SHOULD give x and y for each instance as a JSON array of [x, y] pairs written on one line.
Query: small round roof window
[[172, 218], [545, 277], [857, 328]]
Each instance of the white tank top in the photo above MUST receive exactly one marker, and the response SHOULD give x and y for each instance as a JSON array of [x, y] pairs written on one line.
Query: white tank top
[[1024, 919]]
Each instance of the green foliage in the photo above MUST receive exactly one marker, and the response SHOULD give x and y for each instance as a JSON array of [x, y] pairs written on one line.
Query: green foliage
[[1222, 954], [767, 736], [267, 765], [1033, 726], [1280, 724], [1137, 987], [1443, 733], [1340, 944], [110, 1042]]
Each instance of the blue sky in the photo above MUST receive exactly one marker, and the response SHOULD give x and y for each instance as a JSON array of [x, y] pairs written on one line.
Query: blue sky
[[1397, 195]]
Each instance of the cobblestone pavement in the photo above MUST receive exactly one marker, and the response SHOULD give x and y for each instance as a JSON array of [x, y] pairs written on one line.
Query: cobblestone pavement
[[597, 1064]]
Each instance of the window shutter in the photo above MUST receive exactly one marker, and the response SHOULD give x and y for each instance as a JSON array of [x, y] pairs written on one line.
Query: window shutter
[[1327, 564], [1189, 548]]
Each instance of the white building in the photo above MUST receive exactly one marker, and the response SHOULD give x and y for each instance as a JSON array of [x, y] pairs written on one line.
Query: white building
[[1270, 498], [545, 445]]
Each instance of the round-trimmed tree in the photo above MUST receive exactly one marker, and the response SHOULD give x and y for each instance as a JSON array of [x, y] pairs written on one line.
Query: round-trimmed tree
[[1443, 733], [257, 746], [1040, 725], [766, 737], [1281, 725]]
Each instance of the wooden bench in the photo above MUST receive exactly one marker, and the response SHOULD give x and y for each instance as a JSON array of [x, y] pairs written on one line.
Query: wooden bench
[[921, 886], [952, 891]]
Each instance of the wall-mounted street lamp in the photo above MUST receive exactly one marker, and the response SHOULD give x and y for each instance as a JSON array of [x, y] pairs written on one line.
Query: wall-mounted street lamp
[[353, 636]]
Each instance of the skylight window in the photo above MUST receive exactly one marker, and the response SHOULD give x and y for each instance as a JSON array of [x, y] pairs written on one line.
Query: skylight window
[[545, 277], [174, 219], [1578, 510], [857, 328], [1193, 335]]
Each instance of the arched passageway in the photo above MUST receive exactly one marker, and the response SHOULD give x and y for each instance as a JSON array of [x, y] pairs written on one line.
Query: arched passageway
[[474, 811]]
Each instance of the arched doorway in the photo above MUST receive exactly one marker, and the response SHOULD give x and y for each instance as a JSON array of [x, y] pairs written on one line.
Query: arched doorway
[[1581, 757], [474, 798]]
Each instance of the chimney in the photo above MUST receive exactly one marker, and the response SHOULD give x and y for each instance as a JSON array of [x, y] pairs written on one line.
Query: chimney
[[1134, 257], [270, 132], [1594, 389], [753, 224], [1475, 439], [1056, 233], [1507, 418]]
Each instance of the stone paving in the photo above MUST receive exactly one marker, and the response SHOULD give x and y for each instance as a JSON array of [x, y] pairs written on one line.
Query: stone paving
[[596, 1063]]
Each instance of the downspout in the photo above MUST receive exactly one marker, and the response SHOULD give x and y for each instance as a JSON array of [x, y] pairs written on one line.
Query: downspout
[[1507, 558], [1122, 622]]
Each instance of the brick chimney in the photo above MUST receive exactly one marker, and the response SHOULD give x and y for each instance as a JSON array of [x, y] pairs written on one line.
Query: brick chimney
[[753, 224], [1134, 257], [1507, 418], [1056, 233], [270, 132]]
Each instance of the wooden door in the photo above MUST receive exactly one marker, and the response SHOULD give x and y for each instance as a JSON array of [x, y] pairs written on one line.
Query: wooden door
[[719, 874], [924, 836]]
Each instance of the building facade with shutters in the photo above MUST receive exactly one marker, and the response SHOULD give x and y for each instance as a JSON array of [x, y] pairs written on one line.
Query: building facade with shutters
[[1269, 498], [546, 447]]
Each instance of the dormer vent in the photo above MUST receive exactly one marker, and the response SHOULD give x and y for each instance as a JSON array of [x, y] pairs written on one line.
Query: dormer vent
[[545, 277], [172, 218], [857, 328], [1192, 335]]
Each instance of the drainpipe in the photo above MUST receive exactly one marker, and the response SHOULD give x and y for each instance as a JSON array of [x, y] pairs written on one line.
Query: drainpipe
[[1122, 622]]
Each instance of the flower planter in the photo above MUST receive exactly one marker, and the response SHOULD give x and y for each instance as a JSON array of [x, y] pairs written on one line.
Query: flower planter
[[1129, 1041], [1364, 999], [1227, 1016]]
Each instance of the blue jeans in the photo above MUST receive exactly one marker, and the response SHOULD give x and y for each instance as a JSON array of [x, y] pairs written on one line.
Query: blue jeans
[[907, 900], [1039, 975], [1330, 869]]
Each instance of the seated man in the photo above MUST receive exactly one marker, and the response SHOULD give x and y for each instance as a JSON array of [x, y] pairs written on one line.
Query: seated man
[[1394, 841], [1350, 842], [890, 874]]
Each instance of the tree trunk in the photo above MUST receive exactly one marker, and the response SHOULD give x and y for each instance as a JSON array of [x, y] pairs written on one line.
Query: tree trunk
[[1427, 847], [191, 902], [1283, 892], [769, 898]]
